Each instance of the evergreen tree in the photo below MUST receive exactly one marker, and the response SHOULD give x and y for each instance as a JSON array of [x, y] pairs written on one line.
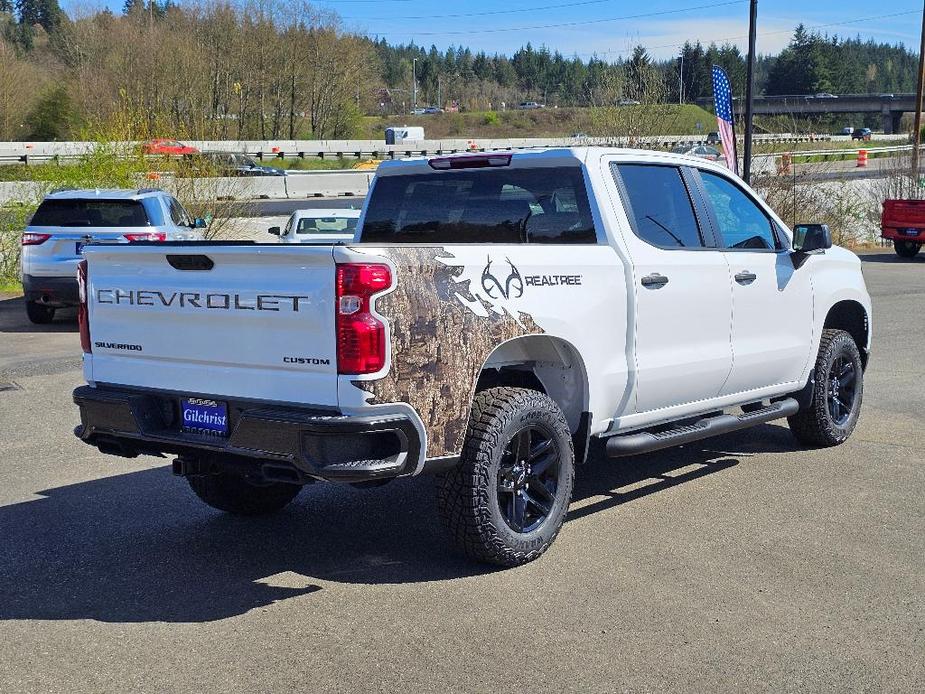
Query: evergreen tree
[[52, 117], [46, 13]]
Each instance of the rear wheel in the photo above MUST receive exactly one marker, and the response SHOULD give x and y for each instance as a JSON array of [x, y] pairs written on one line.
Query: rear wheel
[[506, 500], [839, 388], [39, 313], [234, 494], [906, 249]]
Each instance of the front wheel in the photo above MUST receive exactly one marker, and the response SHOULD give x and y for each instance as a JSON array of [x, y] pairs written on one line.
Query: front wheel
[[906, 249], [839, 388], [507, 499], [39, 313], [234, 494]]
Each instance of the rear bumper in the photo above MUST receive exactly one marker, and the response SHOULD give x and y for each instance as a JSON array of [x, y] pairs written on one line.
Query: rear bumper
[[898, 233], [61, 291], [318, 444]]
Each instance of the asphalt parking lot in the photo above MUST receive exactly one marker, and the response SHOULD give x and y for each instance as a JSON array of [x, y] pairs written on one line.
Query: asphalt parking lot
[[741, 563]]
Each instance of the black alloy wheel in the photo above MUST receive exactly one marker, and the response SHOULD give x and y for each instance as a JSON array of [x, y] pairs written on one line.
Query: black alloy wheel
[[528, 478], [841, 389]]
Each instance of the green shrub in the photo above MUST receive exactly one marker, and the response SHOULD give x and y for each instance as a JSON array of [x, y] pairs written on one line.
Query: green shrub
[[491, 118], [12, 222]]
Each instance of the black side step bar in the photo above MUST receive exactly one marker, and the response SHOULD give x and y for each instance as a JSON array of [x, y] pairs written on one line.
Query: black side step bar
[[622, 445]]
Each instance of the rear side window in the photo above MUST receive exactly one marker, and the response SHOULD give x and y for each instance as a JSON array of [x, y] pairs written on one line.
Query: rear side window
[[90, 213], [538, 205], [659, 206]]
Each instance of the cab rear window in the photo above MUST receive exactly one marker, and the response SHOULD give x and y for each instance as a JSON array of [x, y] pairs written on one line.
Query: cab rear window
[[91, 213], [511, 206]]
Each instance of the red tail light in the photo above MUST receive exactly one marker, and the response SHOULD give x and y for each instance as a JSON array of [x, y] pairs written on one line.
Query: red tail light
[[147, 236], [83, 317], [31, 238], [360, 335]]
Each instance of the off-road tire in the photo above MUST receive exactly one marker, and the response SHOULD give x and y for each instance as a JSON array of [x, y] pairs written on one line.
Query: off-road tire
[[814, 425], [906, 249], [39, 313], [467, 495], [234, 494]]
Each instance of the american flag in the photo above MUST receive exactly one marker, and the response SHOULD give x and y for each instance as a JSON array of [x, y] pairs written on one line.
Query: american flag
[[722, 102]]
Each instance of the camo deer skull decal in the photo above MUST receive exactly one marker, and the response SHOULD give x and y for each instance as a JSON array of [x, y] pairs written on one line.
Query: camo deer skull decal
[[511, 288]]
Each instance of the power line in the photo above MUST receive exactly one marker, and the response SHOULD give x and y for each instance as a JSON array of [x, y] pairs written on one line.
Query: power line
[[765, 33], [557, 25], [481, 14]]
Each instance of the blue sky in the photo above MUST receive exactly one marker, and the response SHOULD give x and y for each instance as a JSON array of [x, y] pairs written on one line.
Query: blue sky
[[523, 20]]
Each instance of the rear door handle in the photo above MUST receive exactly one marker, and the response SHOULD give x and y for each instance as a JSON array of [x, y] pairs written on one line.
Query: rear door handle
[[654, 280], [745, 277]]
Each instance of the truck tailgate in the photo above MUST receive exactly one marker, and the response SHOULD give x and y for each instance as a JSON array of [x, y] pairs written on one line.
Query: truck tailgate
[[903, 213], [252, 322]]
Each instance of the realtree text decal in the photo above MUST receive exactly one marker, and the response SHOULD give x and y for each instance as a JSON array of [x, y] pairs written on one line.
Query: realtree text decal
[[505, 281]]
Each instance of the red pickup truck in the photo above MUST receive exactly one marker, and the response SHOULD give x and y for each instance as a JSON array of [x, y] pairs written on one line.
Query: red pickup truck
[[903, 221]]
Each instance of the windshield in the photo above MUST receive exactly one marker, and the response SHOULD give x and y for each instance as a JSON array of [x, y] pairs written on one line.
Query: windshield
[[327, 225], [85, 213]]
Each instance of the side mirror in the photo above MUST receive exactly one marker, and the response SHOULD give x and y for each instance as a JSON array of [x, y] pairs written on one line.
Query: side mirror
[[274, 230], [811, 238], [199, 223]]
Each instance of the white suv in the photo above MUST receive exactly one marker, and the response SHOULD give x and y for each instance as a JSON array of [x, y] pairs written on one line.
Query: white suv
[[68, 220]]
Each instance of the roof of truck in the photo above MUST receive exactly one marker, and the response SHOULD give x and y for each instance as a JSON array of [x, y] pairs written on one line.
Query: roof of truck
[[104, 193], [548, 156]]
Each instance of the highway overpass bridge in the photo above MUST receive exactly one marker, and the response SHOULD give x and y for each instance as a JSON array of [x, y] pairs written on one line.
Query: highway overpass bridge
[[891, 107]]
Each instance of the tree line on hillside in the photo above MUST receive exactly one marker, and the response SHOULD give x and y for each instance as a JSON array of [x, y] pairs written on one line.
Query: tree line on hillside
[[260, 69]]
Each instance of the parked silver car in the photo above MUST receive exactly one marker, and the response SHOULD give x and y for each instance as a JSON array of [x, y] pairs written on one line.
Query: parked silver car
[[68, 220], [699, 151], [328, 225]]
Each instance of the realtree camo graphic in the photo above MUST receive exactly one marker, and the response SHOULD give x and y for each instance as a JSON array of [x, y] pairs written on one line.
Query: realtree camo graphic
[[443, 329]]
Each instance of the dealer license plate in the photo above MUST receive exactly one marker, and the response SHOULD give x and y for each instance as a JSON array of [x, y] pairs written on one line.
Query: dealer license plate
[[911, 232], [206, 417]]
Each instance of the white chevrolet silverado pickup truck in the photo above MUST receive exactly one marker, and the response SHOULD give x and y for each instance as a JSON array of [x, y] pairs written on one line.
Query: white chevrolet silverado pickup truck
[[494, 314]]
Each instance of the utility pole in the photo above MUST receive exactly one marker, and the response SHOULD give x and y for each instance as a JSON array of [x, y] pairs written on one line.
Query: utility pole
[[917, 135], [681, 80], [749, 84], [414, 83]]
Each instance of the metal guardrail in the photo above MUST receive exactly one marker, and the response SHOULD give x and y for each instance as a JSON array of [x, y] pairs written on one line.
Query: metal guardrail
[[836, 152], [39, 152]]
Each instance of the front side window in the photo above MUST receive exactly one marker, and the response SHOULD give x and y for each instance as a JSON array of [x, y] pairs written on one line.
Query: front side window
[[741, 223], [503, 205], [178, 214], [659, 205]]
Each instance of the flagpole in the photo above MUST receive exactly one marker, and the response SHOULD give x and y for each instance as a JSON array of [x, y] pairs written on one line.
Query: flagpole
[[749, 81]]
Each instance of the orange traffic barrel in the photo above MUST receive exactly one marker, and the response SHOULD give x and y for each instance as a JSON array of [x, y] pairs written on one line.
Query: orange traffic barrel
[[783, 167], [862, 157]]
